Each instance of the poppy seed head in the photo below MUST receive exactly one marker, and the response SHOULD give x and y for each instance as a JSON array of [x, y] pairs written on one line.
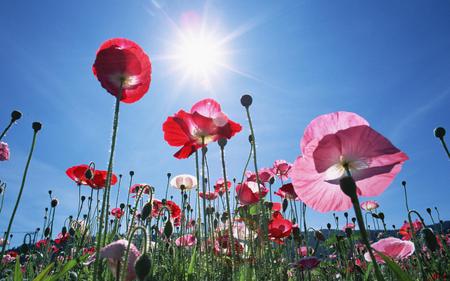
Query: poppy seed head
[[37, 126], [16, 115], [246, 100], [131, 173], [54, 202], [439, 132], [222, 142]]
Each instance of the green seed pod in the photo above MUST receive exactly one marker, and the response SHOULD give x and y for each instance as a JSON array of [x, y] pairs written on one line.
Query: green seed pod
[[285, 204], [168, 229], [146, 210], [429, 238], [142, 266]]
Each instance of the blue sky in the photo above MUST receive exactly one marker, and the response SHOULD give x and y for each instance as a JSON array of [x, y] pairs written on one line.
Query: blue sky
[[387, 61]]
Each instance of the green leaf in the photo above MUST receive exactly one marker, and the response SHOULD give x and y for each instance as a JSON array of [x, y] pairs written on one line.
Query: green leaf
[[68, 266], [44, 273], [17, 271], [190, 272], [369, 269], [254, 209], [399, 273]]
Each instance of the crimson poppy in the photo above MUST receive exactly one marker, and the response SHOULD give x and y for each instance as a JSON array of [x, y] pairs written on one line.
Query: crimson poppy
[[78, 174], [279, 228], [123, 69], [287, 191], [99, 179], [205, 123], [175, 211]]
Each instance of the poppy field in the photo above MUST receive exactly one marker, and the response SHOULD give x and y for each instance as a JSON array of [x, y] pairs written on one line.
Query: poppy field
[[250, 225]]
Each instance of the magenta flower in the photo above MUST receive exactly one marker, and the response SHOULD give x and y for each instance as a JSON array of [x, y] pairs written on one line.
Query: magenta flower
[[114, 253], [287, 191], [264, 175], [349, 225], [369, 205], [331, 143], [4, 151], [393, 247], [281, 168], [307, 263], [186, 241]]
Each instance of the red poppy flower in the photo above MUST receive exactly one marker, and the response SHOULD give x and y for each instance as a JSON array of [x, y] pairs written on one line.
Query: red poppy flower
[[247, 192], [61, 238], [99, 179], [117, 213], [122, 64], [264, 175], [405, 230], [287, 191], [276, 207], [78, 174], [208, 195], [41, 243], [175, 211], [205, 121], [279, 228]]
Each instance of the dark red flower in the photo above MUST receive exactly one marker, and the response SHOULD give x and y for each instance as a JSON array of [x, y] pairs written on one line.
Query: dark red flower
[[247, 192], [175, 211], [78, 174], [279, 228], [287, 191], [205, 121], [121, 63]]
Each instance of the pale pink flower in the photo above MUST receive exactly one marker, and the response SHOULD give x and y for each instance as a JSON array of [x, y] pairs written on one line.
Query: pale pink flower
[[330, 143], [393, 247], [114, 253], [184, 182], [4, 151], [186, 241], [282, 169], [369, 205]]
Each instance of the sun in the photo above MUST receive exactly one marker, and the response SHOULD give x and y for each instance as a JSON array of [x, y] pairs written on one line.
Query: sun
[[199, 56]]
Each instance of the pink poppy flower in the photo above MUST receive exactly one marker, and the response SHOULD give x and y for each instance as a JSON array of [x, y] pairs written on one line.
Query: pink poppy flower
[[114, 253], [248, 193], [122, 62], [184, 182], [264, 174], [205, 120], [393, 247], [281, 168], [219, 186], [302, 251], [136, 189], [4, 151], [337, 140], [279, 228], [349, 225], [287, 191], [186, 241], [307, 263], [405, 230], [175, 211], [369, 205], [210, 196], [222, 245]]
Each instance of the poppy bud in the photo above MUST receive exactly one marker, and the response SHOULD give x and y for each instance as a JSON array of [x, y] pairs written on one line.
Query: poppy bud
[[142, 266], [185, 196], [146, 210], [348, 186], [393, 226], [83, 198], [64, 230], [84, 216], [89, 174], [168, 229], [381, 216], [439, 132], [222, 142], [131, 173], [50, 192], [404, 183], [216, 223], [250, 138], [15, 115], [271, 180], [285, 204], [1, 189], [164, 201], [319, 235], [47, 232], [354, 220], [246, 100], [329, 226], [224, 217], [429, 211], [46, 209], [37, 126], [430, 239], [73, 276], [375, 216], [348, 232], [54, 202]]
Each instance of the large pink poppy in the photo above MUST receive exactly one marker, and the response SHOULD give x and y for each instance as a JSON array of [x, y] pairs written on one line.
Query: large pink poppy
[[119, 62], [248, 192], [333, 141], [393, 247], [205, 120]]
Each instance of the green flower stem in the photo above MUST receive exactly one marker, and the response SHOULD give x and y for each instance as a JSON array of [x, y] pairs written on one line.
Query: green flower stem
[[205, 228], [6, 129], [19, 196], [127, 252], [230, 227], [99, 242], [118, 190], [141, 191], [416, 244], [128, 200]]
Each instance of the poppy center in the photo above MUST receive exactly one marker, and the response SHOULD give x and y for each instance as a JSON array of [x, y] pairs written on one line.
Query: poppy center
[[338, 170]]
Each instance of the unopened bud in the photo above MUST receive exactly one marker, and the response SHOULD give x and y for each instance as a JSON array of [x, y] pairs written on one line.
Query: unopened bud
[[246, 100], [142, 266]]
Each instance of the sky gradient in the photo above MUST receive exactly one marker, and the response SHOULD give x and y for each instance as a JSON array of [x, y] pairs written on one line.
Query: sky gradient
[[387, 61]]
